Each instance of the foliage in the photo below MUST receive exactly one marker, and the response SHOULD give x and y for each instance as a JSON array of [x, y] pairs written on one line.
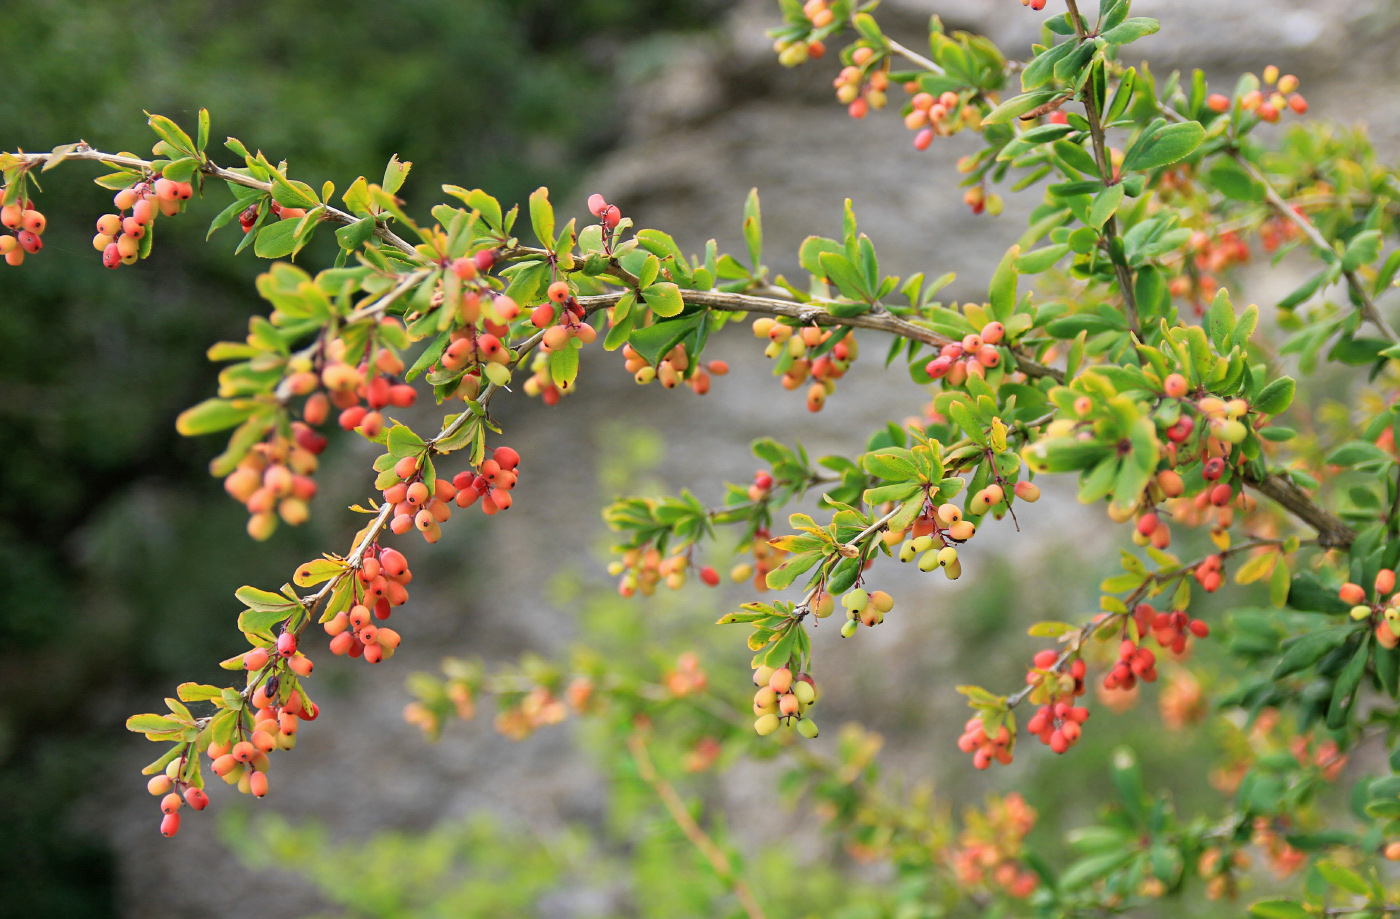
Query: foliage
[[1131, 371]]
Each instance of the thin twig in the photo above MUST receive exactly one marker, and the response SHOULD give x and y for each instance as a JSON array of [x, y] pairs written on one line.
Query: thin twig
[[676, 807], [1100, 142], [207, 168], [1358, 289]]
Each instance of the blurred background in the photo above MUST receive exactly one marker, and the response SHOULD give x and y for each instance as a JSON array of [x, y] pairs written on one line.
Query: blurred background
[[124, 554]]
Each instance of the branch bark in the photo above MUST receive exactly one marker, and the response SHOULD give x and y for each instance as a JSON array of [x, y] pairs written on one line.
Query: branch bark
[[1331, 531]]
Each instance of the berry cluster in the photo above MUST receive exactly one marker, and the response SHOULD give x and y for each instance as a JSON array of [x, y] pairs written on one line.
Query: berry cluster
[[273, 479], [860, 88], [417, 503], [1270, 108], [1057, 722], [688, 677], [175, 790], [1170, 629], [989, 847], [28, 225], [934, 116], [673, 369], [986, 747], [807, 352], [248, 217], [973, 356], [244, 760], [361, 389], [381, 583], [119, 237], [932, 534], [644, 568], [1134, 663], [1384, 607], [783, 699], [491, 483], [863, 607]]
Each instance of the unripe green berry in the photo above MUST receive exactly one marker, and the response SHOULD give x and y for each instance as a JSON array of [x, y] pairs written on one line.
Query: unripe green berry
[[805, 692], [948, 555], [855, 599], [923, 543], [848, 628], [807, 728], [497, 373], [766, 724], [1360, 612], [907, 551], [928, 561]]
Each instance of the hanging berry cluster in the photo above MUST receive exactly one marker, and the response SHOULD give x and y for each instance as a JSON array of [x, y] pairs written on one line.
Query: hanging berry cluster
[[122, 238], [782, 700], [27, 225]]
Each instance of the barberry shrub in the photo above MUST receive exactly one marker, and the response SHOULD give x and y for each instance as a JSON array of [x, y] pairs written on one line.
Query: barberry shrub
[[1108, 352]]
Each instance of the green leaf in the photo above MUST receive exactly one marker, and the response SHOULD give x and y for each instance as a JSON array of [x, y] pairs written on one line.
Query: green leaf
[[263, 600], [353, 235], [1343, 878], [1002, 294], [1018, 105], [292, 194], [261, 620], [1220, 320], [152, 724], [542, 216], [1091, 869], [214, 415], [1038, 260], [394, 174], [203, 133], [1305, 650], [1131, 30], [781, 578], [276, 239], [172, 134], [654, 341], [1163, 144], [664, 299], [1042, 70], [1234, 182], [838, 269], [1347, 682], [1105, 205], [1276, 397], [198, 692], [563, 367], [402, 441], [1362, 250], [753, 226]]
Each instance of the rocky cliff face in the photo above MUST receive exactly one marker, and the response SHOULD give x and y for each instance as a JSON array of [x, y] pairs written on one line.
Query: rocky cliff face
[[715, 119]]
